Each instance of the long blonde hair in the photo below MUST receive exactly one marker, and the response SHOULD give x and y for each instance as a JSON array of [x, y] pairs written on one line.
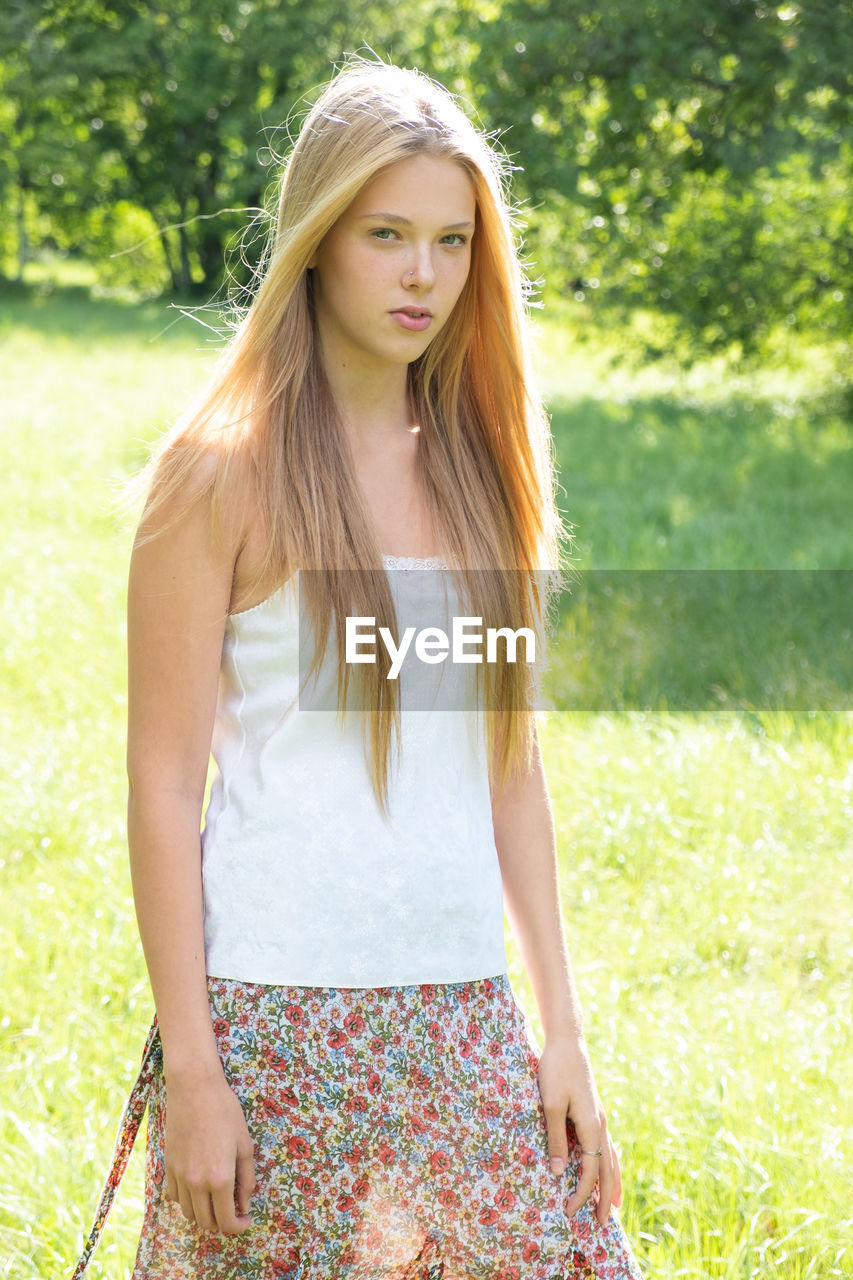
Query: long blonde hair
[[484, 457]]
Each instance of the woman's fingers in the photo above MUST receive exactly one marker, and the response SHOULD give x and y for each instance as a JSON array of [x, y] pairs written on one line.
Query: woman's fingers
[[603, 1169], [203, 1209], [209, 1157], [246, 1181], [567, 1090], [214, 1208], [596, 1166], [617, 1175], [558, 1145], [171, 1186], [589, 1176], [606, 1183], [185, 1200], [227, 1220]]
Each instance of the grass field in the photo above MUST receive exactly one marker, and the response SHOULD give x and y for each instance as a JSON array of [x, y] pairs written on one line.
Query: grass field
[[705, 858]]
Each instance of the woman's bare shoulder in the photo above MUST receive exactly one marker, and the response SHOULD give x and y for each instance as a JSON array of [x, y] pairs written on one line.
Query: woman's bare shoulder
[[212, 487]]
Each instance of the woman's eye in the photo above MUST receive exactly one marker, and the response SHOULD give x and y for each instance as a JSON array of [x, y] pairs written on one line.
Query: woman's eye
[[383, 233], [456, 240]]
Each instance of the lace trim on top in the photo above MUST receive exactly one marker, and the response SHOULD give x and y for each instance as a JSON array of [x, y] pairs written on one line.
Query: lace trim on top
[[414, 562]]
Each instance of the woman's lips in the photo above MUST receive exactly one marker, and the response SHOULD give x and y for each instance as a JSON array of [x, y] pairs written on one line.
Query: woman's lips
[[413, 319]]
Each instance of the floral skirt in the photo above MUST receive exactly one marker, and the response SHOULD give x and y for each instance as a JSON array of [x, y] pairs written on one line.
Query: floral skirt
[[398, 1134]]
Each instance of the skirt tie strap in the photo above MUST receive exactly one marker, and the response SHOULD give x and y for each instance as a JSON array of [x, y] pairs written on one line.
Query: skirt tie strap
[[128, 1128]]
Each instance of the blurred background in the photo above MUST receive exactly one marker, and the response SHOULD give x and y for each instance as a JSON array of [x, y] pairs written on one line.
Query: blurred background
[[689, 159]]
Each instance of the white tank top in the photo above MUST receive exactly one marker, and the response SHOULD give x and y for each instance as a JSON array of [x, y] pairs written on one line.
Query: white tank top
[[306, 883]]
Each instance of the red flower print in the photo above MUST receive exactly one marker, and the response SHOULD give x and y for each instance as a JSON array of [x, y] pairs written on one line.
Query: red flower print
[[448, 1129], [282, 1268]]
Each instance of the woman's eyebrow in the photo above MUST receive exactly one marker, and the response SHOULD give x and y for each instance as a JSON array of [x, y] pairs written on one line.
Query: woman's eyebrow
[[400, 221]]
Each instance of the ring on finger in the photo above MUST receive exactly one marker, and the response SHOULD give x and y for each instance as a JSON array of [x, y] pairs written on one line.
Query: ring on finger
[[591, 1153]]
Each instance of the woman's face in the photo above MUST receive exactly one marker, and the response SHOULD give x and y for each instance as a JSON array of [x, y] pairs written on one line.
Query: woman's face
[[389, 273]]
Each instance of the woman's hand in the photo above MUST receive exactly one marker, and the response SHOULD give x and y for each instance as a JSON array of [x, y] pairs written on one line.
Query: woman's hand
[[209, 1154], [567, 1088]]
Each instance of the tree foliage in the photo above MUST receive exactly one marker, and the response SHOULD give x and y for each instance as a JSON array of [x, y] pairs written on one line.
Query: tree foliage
[[167, 107], [693, 157]]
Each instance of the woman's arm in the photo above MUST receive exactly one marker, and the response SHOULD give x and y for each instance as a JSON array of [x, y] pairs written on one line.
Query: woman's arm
[[179, 591], [526, 845]]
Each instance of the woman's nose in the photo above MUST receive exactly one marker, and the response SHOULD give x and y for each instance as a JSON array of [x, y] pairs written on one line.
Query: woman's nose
[[421, 272]]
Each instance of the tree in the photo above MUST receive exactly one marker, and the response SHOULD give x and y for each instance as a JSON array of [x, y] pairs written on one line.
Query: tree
[[173, 107], [669, 144]]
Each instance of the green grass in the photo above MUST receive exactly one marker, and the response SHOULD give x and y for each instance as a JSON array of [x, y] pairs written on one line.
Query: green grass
[[705, 858]]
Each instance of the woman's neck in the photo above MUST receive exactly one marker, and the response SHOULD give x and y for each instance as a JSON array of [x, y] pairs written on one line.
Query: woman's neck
[[373, 403]]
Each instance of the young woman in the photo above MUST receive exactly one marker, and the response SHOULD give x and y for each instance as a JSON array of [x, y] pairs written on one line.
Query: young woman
[[347, 1087]]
